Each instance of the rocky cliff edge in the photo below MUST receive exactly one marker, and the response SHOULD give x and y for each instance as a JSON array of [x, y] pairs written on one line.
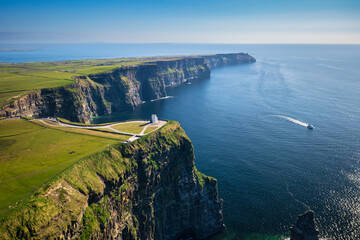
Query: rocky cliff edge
[[149, 189]]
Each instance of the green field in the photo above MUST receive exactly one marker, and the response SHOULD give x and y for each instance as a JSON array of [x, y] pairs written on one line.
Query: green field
[[98, 132], [63, 120], [34, 151], [131, 127], [17, 78], [150, 129], [31, 154]]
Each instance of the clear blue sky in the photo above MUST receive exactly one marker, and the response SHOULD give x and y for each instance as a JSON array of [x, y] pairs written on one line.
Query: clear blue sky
[[185, 21]]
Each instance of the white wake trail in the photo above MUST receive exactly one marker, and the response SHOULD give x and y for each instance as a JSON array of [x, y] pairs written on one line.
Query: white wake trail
[[297, 200], [162, 98], [292, 120]]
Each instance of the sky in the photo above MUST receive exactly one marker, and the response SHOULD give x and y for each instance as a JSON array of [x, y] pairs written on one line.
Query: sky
[[180, 21]]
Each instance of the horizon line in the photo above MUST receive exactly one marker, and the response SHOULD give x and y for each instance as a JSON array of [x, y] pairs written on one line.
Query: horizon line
[[257, 43]]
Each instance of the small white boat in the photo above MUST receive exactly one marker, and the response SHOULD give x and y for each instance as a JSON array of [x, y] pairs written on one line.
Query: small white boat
[[309, 126]]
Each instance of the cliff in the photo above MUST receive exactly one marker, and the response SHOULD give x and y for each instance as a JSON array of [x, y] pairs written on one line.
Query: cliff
[[117, 90], [220, 60], [149, 189]]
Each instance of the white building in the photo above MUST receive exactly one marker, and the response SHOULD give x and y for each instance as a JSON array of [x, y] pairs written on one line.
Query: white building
[[154, 118]]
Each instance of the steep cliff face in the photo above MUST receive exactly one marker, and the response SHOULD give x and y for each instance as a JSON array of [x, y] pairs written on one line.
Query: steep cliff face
[[149, 189], [148, 81], [118, 90], [78, 102]]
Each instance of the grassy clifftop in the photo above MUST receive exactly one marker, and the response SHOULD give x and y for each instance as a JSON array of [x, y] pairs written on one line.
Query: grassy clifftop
[[31, 154], [33, 151], [18, 78], [122, 192]]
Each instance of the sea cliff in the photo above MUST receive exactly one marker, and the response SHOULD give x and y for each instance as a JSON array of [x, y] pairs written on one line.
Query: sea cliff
[[120, 89], [148, 189], [220, 60]]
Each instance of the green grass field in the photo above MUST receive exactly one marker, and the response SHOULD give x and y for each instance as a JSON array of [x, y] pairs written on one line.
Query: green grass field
[[100, 132], [63, 120], [149, 129], [104, 133], [31, 154], [135, 128], [17, 78]]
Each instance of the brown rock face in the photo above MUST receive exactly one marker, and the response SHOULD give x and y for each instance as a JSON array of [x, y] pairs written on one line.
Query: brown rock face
[[305, 228]]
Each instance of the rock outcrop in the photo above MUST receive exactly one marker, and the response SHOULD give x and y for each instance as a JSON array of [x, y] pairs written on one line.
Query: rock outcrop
[[305, 228], [118, 90], [148, 189]]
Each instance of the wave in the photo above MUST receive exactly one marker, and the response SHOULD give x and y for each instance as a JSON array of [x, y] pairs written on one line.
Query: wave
[[304, 124]]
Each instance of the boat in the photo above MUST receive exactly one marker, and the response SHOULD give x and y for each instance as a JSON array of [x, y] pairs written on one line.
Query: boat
[[309, 126]]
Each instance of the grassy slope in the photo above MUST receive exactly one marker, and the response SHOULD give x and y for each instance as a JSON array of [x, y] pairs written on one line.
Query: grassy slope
[[31, 154]]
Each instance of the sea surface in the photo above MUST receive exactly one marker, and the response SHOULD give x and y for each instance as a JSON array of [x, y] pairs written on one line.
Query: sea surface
[[248, 126]]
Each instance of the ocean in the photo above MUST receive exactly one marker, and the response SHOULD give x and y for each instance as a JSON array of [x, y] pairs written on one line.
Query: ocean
[[248, 126]]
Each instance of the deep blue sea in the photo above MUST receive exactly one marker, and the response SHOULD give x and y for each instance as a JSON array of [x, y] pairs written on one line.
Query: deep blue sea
[[247, 124]]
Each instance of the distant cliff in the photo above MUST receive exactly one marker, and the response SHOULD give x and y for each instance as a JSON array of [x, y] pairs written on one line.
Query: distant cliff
[[219, 60], [148, 189], [120, 89]]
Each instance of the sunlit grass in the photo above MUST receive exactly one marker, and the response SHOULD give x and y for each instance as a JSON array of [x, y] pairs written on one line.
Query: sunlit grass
[[31, 154], [135, 128], [149, 129]]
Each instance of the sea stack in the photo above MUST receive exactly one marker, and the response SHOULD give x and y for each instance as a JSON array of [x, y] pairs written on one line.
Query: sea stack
[[305, 228]]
